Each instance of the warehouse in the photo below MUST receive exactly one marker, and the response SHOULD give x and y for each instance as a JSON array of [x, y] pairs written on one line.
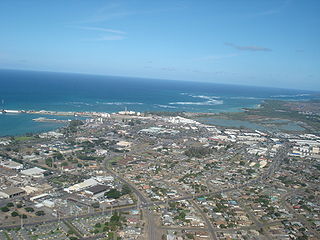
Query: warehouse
[[97, 190], [81, 186], [33, 172], [11, 192], [11, 165]]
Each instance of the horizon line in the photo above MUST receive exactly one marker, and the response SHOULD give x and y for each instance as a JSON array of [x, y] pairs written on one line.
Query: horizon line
[[153, 78]]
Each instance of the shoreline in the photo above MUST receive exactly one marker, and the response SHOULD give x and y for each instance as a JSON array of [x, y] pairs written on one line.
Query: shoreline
[[275, 114]]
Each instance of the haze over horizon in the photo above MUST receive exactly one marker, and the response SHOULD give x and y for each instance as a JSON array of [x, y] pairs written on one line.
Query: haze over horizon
[[267, 43]]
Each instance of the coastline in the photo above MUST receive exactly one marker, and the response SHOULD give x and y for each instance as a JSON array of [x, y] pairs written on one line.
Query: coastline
[[267, 117]]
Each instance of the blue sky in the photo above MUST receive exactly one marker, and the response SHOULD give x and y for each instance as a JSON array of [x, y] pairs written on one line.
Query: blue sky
[[254, 42]]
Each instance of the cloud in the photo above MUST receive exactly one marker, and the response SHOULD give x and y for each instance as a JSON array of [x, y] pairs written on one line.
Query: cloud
[[116, 34], [248, 48], [107, 38], [277, 9], [168, 69], [100, 29], [107, 12], [217, 57], [117, 10]]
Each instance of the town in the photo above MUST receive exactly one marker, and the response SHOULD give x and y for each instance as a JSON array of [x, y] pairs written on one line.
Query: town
[[132, 175]]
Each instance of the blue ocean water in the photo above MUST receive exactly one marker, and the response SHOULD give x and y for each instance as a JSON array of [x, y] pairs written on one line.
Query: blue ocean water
[[28, 90]]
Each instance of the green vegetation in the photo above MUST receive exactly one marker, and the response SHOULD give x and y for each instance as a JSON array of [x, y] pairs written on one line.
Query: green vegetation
[[49, 162], [95, 205], [276, 109], [125, 190], [73, 126], [40, 213], [86, 157], [111, 227], [189, 235], [113, 193], [5, 209], [14, 214], [23, 138], [198, 152], [29, 209]]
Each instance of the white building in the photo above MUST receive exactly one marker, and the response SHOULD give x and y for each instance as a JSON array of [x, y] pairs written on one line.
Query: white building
[[33, 172]]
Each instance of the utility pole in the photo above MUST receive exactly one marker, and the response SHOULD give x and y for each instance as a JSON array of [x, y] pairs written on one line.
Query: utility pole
[[103, 209], [194, 191], [21, 221]]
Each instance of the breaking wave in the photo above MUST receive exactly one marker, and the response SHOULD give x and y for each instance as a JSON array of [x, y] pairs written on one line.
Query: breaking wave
[[165, 106], [246, 98], [211, 100], [79, 103], [120, 103], [206, 103], [288, 96]]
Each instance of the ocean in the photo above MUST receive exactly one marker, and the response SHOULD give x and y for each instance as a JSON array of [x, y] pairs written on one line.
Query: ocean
[[29, 90]]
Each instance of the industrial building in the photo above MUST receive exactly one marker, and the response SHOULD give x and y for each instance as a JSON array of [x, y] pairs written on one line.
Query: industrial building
[[11, 165], [11, 192], [33, 172], [97, 190]]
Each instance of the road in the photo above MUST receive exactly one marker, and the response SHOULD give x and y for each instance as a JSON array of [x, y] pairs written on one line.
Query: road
[[145, 204], [123, 208], [207, 220]]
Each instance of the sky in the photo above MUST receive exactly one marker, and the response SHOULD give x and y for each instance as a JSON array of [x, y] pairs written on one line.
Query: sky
[[252, 42]]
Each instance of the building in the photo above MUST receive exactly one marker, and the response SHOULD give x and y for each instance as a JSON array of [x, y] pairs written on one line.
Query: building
[[33, 172], [97, 190], [11, 192], [11, 165], [81, 186]]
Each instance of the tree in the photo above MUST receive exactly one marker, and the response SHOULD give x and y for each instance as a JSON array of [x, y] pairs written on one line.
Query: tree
[[49, 162], [5, 209], [198, 152], [14, 214], [125, 189], [113, 193], [95, 205], [40, 213], [190, 236], [29, 209], [58, 156], [64, 164]]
